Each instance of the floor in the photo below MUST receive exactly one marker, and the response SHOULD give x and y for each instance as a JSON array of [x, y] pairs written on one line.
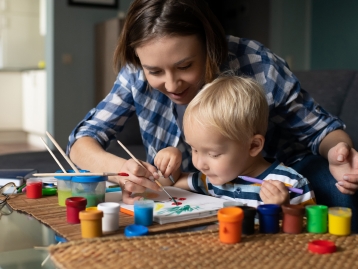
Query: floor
[[7, 148]]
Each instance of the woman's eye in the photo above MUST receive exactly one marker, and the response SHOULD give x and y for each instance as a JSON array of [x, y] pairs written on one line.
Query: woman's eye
[[184, 67], [154, 72]]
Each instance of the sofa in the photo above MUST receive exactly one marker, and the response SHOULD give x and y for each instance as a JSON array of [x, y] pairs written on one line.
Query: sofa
[[335, 90]]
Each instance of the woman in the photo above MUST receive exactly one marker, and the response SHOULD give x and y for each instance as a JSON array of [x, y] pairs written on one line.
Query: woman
[[167, 51]]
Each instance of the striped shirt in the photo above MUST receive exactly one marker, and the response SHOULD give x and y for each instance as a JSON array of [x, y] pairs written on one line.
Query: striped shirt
[[249, 193], [297, 124]]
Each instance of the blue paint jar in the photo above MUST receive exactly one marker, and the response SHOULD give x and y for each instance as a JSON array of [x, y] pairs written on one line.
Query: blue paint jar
[[269, 218], [143, 212]]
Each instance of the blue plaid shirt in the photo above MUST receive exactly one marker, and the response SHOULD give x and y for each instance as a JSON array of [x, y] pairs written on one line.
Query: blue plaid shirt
[[297, 124]]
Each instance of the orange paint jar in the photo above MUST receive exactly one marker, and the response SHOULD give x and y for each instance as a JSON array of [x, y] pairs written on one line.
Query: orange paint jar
[[91, 223], [230, 224]]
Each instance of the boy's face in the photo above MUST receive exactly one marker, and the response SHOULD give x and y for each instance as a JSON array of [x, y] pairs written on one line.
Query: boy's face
[[219, 158]]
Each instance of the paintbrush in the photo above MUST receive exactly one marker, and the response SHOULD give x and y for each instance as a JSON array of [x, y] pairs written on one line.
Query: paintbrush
[[75, 174], [259, 181], [155, 152], [138, 162]]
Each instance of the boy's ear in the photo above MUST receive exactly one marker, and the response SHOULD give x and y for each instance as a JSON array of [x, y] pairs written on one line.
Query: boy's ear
[[256, 145]]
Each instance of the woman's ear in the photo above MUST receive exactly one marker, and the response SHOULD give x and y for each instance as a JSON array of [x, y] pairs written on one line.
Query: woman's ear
[[256, 145]]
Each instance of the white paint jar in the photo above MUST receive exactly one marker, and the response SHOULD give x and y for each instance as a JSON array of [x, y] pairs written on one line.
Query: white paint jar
[[110, 220]]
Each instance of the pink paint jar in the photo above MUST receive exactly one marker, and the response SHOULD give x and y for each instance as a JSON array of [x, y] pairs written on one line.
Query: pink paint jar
[[74, 205], [34, 188]]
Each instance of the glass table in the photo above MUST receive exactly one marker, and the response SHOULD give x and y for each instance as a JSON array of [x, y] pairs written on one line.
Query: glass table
[[19, 234]]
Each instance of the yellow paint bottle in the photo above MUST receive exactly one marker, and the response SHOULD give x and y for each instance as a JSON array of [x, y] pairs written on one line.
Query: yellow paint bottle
[[339, 220], [91, 223]]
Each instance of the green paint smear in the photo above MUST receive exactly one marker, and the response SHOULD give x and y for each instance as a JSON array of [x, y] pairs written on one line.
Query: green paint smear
[[178, 210]]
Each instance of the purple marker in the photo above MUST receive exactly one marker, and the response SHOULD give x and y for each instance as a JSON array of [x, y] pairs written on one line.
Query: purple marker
[[259, 181]]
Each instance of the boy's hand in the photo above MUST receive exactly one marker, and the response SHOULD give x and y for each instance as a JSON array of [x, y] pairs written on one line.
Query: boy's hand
[[168, 161], [274, 192]]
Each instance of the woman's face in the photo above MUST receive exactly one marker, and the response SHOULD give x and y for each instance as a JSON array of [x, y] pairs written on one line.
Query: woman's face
[[175, 65]]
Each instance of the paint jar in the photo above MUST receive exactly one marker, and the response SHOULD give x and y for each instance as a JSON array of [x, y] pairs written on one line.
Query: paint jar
[[232, 204], [292, 220], [339, 220], [248, 223], [91, 208], [317, 218], [135, 230], [91, 223], [143, 212], [93, 188], [230, 224], [73, 206], [110, 221], [269, 218], [33, 188], [64, 186]]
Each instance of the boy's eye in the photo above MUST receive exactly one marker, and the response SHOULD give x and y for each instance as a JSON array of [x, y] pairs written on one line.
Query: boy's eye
[[214, 155]]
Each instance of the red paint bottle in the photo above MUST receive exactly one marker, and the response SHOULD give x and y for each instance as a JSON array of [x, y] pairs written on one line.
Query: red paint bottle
[[73, 206], [34, 188], [292, 220]]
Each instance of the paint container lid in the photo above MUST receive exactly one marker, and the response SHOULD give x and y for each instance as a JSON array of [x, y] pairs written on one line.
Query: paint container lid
[[109, 207], [269, 209], [91, 214], [60, 239], [321, 246], [230, 214], [135, 230], [343, 212], [31, 181], [68, 177], [296, 210], [76, 201], [89, 179]]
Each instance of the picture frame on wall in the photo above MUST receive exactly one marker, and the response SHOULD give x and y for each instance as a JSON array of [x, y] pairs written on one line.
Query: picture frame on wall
[[113, 4]]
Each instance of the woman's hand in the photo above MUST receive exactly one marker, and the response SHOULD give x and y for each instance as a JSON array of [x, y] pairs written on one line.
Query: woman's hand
[[137, 181], [343, 165], [274, 192], [168, 160]]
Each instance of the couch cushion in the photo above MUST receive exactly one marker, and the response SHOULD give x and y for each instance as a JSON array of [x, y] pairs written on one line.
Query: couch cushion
[[327, 87], [349, 112]]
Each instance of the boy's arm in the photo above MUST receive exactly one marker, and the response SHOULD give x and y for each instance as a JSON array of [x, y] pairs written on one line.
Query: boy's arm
[[182, 181]]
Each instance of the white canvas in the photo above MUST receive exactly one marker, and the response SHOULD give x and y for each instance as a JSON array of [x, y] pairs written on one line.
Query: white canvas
[[192, 205]]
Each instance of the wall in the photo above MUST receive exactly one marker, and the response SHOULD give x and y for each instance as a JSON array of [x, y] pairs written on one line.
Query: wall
[[70, 59], [334, 34]]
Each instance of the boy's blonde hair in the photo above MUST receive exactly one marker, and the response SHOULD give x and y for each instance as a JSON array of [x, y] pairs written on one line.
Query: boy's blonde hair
[[234, 106]]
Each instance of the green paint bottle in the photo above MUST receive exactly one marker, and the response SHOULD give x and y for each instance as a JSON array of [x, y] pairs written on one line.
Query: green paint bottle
[[317, 218]]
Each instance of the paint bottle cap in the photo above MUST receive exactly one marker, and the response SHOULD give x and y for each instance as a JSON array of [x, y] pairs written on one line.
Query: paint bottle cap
[[269, 209], [135, 230], [296, 210], [230, 214], [109, 207], [91, 215], [321, 246], [76, 201]]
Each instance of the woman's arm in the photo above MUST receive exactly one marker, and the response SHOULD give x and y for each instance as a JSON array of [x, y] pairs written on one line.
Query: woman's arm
[[332, 139], [343, 160]]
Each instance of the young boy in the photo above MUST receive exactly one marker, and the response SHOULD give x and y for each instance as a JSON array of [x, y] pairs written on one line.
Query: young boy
[[225, 125]]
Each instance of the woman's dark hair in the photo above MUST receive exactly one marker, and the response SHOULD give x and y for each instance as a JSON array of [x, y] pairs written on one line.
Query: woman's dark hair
[[148, 19]]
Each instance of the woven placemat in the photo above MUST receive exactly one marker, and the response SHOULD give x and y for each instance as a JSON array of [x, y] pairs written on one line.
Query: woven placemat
[[47, 211], [204, 250]]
